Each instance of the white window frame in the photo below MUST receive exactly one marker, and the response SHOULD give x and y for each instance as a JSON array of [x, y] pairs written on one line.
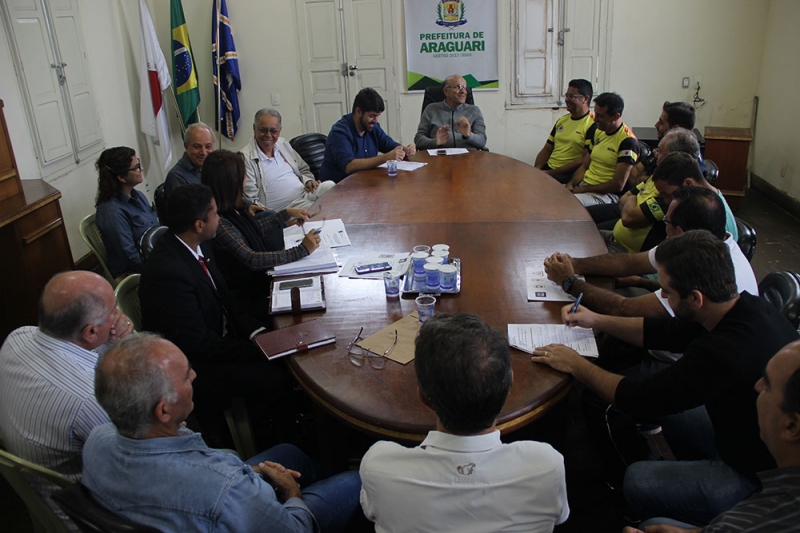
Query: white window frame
[[552, 68]]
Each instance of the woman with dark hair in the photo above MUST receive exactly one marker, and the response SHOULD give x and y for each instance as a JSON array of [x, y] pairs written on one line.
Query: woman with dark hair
[[123, 214], [240, 243]]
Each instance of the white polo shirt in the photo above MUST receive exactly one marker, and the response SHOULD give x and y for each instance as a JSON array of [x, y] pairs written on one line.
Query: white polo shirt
[[281, 185], [464, 484]]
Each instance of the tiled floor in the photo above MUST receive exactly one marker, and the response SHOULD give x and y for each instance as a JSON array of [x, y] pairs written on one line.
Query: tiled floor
[[778, 248]]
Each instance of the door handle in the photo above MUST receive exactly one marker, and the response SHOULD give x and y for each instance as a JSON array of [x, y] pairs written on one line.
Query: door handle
[[353, 69]]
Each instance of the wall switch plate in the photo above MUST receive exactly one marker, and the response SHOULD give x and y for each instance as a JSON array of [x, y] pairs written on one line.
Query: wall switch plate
[[276, 99], [685, 82]]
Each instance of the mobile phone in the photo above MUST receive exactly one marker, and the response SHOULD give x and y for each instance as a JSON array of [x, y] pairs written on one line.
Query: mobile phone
[[300, 283], [374, 267], [441, 152]]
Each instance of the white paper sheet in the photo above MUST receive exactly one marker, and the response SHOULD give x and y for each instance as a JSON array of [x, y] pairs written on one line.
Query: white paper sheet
[[527, 337], [333, 233], [541, 289], [408, 166], [450, 151], [399, 262]]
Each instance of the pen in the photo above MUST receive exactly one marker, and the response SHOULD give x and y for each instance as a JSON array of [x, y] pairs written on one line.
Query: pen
[[575, 307]]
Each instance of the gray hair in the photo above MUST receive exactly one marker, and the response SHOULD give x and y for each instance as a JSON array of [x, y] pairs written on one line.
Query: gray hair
[[267, 111], [131, 384], [67, 321], [681, 140], [190, 129]]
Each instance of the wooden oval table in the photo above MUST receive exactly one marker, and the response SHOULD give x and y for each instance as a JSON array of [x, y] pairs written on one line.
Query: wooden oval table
[[498, 215]]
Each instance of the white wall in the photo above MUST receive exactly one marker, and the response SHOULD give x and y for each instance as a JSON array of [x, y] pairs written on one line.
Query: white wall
[[775, 147], [655, 44]]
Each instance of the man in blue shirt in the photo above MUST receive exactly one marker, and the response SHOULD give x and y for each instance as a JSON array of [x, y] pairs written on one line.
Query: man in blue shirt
[[148, 467], [357, 142]]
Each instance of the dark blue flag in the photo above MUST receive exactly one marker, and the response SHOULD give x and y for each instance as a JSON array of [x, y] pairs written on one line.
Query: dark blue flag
[[228, 74]]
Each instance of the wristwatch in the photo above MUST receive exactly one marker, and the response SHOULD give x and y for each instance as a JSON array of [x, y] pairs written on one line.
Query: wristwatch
[[566, 285]]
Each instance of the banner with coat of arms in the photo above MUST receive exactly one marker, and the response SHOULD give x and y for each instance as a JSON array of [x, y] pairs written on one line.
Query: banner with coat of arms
[[445, 37]]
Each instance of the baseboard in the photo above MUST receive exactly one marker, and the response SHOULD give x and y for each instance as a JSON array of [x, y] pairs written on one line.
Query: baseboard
[[777, 196], [88, 262]]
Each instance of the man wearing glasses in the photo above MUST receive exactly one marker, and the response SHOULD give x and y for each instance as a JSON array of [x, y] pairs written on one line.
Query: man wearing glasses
[[452, 123], [563, 152], [276, 176]]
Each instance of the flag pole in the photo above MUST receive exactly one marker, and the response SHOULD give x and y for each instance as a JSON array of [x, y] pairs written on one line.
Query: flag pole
[[219, 72], [178, 112]]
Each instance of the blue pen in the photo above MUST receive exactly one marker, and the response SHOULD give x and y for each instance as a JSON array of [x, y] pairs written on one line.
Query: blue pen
[[575, 307]]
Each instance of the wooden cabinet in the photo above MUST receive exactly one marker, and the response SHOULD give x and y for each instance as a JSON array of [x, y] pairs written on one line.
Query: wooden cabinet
[[729, 148], [33, 239]]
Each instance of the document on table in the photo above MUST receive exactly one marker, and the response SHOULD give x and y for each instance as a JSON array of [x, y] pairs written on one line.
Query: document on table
[[399, 262], [527, 337], [333, 233], [408, 166], [321, 260], [541, 289], [311, 296], [448, 151]]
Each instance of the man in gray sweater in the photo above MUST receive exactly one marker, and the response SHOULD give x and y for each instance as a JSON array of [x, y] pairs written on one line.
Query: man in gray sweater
[[452, 123]]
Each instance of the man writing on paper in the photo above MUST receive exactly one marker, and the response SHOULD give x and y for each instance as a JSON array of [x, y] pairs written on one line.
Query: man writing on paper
[[357, 142], [727, 339], [477, 483]]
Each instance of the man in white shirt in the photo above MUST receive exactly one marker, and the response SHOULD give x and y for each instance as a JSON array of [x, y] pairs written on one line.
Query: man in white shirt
[[462, 477], [47, 403], [276, 176]]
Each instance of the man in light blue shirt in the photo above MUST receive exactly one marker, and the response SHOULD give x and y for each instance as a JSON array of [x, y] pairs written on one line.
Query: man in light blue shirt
[[154, 471]]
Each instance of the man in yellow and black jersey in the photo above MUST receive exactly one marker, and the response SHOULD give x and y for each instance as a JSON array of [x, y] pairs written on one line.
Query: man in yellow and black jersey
[[563, 152], [612, 152]]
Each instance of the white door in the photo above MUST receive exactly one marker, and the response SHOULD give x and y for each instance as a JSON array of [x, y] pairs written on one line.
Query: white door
[[345, 45]]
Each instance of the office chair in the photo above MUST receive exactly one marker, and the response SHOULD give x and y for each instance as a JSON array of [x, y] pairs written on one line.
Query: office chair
[[90, 516], [20, 475], [436, 94], [127, 295], [91, 236], [149, 240], [712, 171], [782, 289], [311, 147], [747, 238], [160, 197]]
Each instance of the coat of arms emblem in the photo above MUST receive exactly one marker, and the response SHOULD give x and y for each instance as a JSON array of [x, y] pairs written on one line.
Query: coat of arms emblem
[[450, 13]]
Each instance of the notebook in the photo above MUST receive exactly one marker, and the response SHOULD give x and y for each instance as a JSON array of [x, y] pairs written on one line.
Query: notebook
[[297, 338]]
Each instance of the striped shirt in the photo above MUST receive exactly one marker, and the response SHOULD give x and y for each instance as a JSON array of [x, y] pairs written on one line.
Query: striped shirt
[[47, 403], [773, 509]]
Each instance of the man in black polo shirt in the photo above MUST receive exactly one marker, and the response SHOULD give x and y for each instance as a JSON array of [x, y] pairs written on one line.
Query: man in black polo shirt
[[727, 339]]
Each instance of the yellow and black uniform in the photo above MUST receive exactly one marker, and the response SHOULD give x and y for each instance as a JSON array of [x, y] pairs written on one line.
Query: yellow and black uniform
[[608, 150], [654, 209], [568, 138]]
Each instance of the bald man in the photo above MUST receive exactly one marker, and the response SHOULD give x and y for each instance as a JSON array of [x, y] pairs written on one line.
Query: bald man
[[776, 506], [47, 404], [451, 123]]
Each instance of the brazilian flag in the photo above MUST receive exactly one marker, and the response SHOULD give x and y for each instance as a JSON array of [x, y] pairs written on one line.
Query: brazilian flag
[[184, 72]]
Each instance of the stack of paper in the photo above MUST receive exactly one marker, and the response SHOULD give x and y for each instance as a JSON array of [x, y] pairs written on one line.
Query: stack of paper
[[321, 260], [408, 166], [448, 151]]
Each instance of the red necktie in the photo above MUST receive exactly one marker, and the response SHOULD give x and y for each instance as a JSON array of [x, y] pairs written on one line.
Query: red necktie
[[205, 268]]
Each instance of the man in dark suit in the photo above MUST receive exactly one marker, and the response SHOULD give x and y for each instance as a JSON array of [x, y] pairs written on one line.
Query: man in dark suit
[[184, 297]]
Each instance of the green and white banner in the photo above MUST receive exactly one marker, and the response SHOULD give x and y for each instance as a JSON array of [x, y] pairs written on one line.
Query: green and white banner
[[445, 37]]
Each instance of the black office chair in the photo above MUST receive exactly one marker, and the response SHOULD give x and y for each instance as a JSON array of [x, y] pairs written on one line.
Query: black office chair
[[90, 516], [644, 150], [712, 171], [436, 94], [782, 289], [747, 238], [149, 240], [311, 147], [160, 197]]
